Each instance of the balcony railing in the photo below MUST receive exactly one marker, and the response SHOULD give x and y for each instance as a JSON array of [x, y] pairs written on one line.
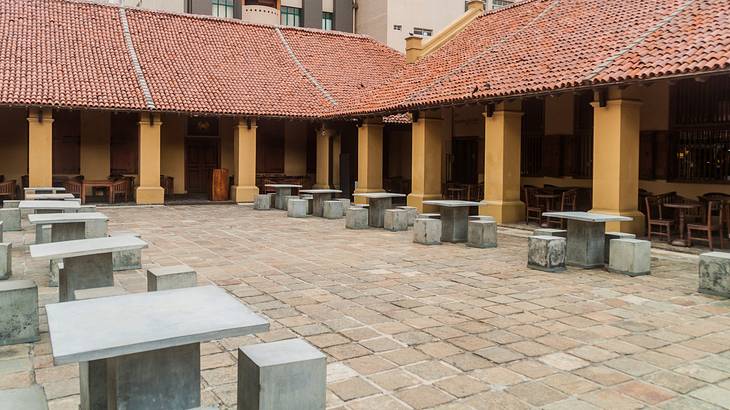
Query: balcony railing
[[260, 15]]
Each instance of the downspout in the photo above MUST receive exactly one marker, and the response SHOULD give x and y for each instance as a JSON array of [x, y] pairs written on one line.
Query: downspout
[[354, 16]]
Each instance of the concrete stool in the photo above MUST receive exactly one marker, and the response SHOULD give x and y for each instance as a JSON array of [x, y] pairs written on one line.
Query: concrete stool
[[127, 260], [714, 269], [546, 253], [356, 218], [289, 374], [171, 277], [262, 202], [26, 398], [333, 210], [630, 256], [427, 231], [94, 293], [310, 203], [6, 260], [11, 203], [345, 203], [607, 244], [429, 216], [297, 208], [396, 220], [412, 213], [18, 312], [10, 218], [286, 201], [550, 232], [482, 234]]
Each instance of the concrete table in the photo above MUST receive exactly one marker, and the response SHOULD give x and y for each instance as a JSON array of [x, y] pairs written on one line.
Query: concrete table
[[142, 351], [87, 262], [320, 195], [379, 202], [282, 191], [454, 218], [44, 190], [586, 236], [67, 226], [49, 206]]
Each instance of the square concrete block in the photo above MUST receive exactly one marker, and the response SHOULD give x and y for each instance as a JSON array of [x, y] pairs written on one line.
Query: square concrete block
[[171, 277], [6, 260], [412, 213], [26, 398], [95, 293], [345, 203], [356, 218], [630, 256], [18, 312], [714, 272], [127, 260], [333, 210], [546, 253], [297, 208], [262, 202], [43, 234], [609, 237], [395, 220], [482, 234], [95, 229], [10, 217], [286, 199], [427, 231], [289, 374], [550, 232]]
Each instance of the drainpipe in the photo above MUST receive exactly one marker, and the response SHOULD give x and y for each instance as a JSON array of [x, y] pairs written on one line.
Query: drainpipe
[[354, 16]]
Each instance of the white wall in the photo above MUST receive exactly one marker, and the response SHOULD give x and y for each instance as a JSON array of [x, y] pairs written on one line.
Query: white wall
[[166, 5], [426, 14]]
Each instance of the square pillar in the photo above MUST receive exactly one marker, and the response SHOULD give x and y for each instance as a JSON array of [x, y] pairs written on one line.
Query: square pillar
[[244, 161], [616, 163], [427, 148], [503, 129], [149, 190], [369, 158], [40, 147], [324, 135]]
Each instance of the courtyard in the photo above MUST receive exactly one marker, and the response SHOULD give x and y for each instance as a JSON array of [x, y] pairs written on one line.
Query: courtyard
[[410, 326]]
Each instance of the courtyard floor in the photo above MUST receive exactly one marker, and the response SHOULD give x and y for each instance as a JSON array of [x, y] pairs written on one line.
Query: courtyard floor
[[411, 326]]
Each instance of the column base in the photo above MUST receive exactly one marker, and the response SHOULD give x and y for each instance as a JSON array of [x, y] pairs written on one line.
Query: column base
[[321, 186], [150, 195], [243, 194], [504, 212], [361, 200], [417, 201], [637, 226]]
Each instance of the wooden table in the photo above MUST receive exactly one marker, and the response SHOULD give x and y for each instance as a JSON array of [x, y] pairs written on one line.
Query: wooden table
[[142, 350], [454, 218], [100, 183], [548, 199], [379, 202], [682, 209], [318, 198]]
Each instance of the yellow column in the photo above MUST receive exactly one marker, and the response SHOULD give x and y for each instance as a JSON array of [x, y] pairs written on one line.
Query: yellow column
[[323, 158], [616, 163], [427, 148], [502, 164], [369, 158], [149, 190], [244, 161], [40, 147]]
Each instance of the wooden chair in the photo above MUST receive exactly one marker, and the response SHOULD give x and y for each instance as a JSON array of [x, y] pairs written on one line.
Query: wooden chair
[[657, 224], [120, 187], [568, 203], [533, 212], [713, 222], [8, 189], [73, 186]]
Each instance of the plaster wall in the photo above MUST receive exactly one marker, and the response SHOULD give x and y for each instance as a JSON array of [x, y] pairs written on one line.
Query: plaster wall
[[172, 158], [95, 144], [14, 143], [295, 148]]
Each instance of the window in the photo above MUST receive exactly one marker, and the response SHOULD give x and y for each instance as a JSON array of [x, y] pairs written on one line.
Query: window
[[397, 27], [222, 8], [498, 4], [423, 32], [327, 20], [291, 16]]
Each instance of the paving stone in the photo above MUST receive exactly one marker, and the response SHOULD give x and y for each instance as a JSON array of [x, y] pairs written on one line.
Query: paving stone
[[714, 395], [369, 364], [377, 402], [631, 366], [563, 361], [569, 383], [499, 354], [431, 370], [423, 397], [674, 381], [461, 386], [498, 376], [603, 375], [647, 393], [394, 380], [496, 400], [536, 393], [354, 388]]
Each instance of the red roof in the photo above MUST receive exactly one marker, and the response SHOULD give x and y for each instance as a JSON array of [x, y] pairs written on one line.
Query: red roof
[[75, 54]]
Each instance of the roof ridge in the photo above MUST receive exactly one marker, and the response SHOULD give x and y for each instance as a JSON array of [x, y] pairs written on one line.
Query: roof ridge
[[304, 70], [138, 72], [658, 26]]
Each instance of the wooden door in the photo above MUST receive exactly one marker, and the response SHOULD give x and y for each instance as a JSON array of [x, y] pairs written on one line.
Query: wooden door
[[201, 158]]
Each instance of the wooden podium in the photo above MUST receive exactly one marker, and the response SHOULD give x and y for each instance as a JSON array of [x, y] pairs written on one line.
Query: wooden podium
[[219, 186]]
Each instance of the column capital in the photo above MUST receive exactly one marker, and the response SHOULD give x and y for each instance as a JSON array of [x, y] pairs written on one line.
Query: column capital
[[618, 102], [40, 114], [373, 122], [243, 122], [150, 119]]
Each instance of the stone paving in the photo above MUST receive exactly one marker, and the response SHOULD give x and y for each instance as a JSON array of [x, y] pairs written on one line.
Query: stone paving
[[412, 326]]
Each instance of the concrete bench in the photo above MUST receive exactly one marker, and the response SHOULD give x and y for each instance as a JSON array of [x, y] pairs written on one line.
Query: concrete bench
[[289, 374], [482, 234], [427, 231], [297, 208], [395, 220], [482, 218], [94, 293], [262, 202], [546, 253], [356, 218], [714, 271], [18, 312], [11, 203], [171, 277], [609, 237], [333, 210], [69, 226], [631, 257], [550, 232], [412, 213], [86, 209], [26, 398], [6, 260], [127, 260], [10, 217]]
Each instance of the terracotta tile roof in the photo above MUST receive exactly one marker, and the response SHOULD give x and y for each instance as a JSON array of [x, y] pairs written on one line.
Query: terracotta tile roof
[[540, 46]]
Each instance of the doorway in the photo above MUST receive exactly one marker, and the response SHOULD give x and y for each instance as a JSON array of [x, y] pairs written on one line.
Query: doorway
[[465, 167], [202, 156]]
